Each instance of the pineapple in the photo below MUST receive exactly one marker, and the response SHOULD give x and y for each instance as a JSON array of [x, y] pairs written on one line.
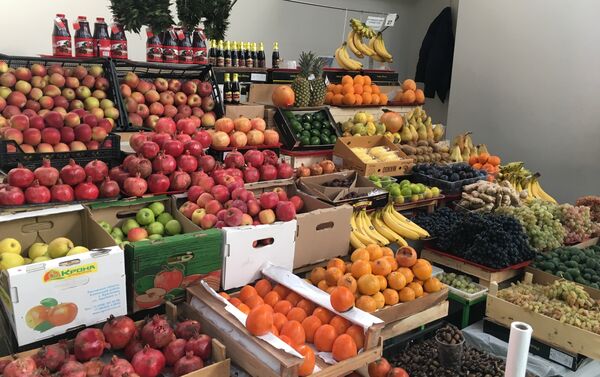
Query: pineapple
[[317, 86], [300, 85]]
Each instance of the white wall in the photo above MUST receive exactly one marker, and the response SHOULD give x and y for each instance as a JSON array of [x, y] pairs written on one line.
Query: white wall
[[526, 81]]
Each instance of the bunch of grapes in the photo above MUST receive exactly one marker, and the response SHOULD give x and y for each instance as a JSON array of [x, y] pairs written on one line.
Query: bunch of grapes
[[594, 203], [576, 221], [545, 230], [437, 223]]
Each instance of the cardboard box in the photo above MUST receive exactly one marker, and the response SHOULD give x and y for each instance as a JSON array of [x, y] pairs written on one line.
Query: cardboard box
[[343, 155], [160, 270], [49, 298], [245, 109], [306, 158], [261, 93]]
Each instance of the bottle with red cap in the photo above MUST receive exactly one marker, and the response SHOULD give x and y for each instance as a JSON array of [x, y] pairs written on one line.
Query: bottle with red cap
[[170, 47], [154, 48], [61, 37], [199, 46], [101, 38], [118, 42], [186, 53], [84, 41]]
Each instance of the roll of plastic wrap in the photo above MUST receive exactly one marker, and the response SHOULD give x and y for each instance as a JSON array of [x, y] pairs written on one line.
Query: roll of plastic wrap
[[518, 349]]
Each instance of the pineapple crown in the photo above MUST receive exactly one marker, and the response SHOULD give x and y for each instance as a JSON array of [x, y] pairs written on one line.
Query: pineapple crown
[[317, 67], [305, 62]]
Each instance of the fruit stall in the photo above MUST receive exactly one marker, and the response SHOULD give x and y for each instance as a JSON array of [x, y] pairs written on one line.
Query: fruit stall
[[202, 214]]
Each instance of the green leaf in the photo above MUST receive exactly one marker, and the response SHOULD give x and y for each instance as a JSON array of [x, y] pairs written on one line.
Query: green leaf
[[49, 302]]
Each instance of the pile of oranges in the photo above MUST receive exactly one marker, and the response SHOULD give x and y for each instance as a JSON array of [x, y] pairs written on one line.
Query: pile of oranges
[[355, 91], [409, 95], [297, 321], [377, 277], [485, 161]]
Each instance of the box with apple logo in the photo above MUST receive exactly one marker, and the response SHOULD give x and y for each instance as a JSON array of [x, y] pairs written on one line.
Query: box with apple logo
[[164, 251], [61, 286]]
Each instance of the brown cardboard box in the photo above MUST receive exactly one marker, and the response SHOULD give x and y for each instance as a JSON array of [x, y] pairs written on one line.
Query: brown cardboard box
[[261, 93], [249, 110], [343, 155]]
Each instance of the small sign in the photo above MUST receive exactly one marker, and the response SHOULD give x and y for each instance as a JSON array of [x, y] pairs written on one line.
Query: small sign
[[258, 77], [390, 19], [375, 22]]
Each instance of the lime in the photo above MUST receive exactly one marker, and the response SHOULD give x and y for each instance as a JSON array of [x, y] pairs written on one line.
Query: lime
[[326, 131], [315, 140], [422, 188], [305, 133], [374, 177], [415, 189], [306, 117], [406, 191], [332, 139], [435, 192], [404, 182], [307, 126], [315, 132], [399, 199], [395, 191], [305, 140], [324, 139]]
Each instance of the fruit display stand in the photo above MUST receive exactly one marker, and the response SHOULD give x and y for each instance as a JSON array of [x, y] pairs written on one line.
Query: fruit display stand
[[546, 329], [428, 205]]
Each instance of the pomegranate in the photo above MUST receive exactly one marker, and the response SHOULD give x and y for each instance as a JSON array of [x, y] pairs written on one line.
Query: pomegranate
[[197, 176], [93, 368], [165, 163], [187, 364], [52, 357], [142, 166], [194, 147], [270, 157], [316, 169], [161, 139], [174, 351], [148, 362], [173, 147], [72, 174], [149, 149], [97, 170], [303, 171], [207, 163], [187, 162], [200, 345], [89, 343], [37, 194], [268, 172], [203, 137], [136, 141], [130, 161], [108, 188], [118, 174], [187, 329], [21, 367], [20, 177], [254, 157], [87, 190], [328, 166], [234, 159], [251, 174], [46, 174], [284, 170], [135, 186], [133, 347], [194, 193], [119, 331], [73, 368], [158, 183], [157, 332], [117, 368], [183, 137], [180, 180], [4, 363], [11, 196]]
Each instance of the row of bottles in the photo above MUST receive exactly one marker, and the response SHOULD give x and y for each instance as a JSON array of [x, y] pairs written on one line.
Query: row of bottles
[[231, 90], [242, 54], [86, 45], [177, 45]]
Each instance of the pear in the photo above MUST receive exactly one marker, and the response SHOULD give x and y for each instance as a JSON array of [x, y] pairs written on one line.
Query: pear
[[77, 250], [413, 131], [455, 154], [466, 153], [468, 141], [38, 249], [371, 129], [438, 132], [44, 258], [421, 131], [10, 260], [482, 148], [27, 260], [390, 136], [59, 247], [474, 152], [10, 245], [429, 129], [405, 133], [459, 140]]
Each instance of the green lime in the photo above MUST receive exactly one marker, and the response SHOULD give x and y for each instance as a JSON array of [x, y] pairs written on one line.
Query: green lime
[[326, 131], [395, 191], [406, 191], [315, 132], [305, 133], [315, 140], [324, 139], [404, 182], [305, 140], [296, 126], [332, 139], [306, 117]]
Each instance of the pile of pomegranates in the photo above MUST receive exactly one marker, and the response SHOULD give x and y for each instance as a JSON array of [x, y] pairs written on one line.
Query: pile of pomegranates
[[48, 184], [242, 132], [147, 351], [323, 167]]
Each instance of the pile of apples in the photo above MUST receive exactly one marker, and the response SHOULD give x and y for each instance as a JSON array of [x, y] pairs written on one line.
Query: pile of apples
[[243, 132], [47, 184], [55, 109], [146, 102]]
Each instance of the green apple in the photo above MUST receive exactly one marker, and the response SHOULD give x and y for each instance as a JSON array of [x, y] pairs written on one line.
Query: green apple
[[157, 208], [41, 259], [38, 249], [435, 191], [10, 260], [156, 228], [77, 250], [27, 260], [10, 245], [428, 194], [173, 227], [145, 216], [395, 191], [155, 236], [106, 226], [117, 233], [118, 240], [164, 218], [399, 199], [59, 247], [128, 225]]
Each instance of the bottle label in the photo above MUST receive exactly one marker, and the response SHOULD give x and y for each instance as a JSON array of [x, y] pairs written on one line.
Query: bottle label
[[170, 54], [228, 97], [154, 53], [220, 61], [261, 63], [200, 55], [103, 48], [242, 62], [235, 97], [84, 47], [249, 62], [227, 62], [61, 45], [212, 60], [234, 61], [186, 55], [118, 49]]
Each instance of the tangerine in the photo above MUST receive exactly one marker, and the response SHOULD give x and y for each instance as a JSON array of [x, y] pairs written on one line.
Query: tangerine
[[432, 285], [296, 314], [244, 308], [360, 253], [382, 282], [337, 99], [283, 307], [306, 305], [337, 89], [343, 348], [396, 280], [375, 252], [279, 320], [235, 301], [406, 294], [311, 324], [357, 334], [317, 274], [332, 275], [271, 298], [418, 288], [281, 290], [387, 252], [360, 268], [340, 324], [366, 303], [347, 79], [379, 300], [263, 286], [382, 267], [260, 320], [337, 262], [408, 274], [349, 99], [391, 296], [368, 284], [359, 80], [328, 97], [419, 96], [422, 269], [409, 84], [308, 363], [246, 292], [342, 299], [366, 98], [323, 314], [293, 298], [254, 301], [324, 338], [294, 330], [322, 285], [349, 282]]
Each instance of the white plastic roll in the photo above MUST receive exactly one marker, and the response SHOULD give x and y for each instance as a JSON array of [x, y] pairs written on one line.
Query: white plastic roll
[[518, 349]]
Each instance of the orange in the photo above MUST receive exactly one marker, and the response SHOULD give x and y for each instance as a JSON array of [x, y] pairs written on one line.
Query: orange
[[260, 320], [382, 267], [296, 314], [322, 285], [343, 348], [367, 80], [324, 338], [406, 294], [254, 301], [332, 275], [357, 334], [311, 324], [406, 256], [368, 284], [392, 261], [379, 300], [361, 253], [244, 308], [419, 96], [263, 286], [308, 363], [383, 99], [366, 98], [235, 301], [391, 296], [337, 99], [279, 320], [283, 307], [328, 97], [286, 339], [317, 274], [432, 285], [358, 100], [366, 303], [281, 290], [367, 89], [294, 330], [387, 252], [360, 268], [323, 314], [337, 262], [306, 305], [408, 274], [224, 295], [409, 84], [382, 282], [422, 269], [349, 282], [348, 99], [396, 280], [340, 324], [293, 298], [375, 99], [330, 87], [408, 97], [417, 288], [358, 89], [346, 79], [375, 89], [274, 330], [337, 89], [375, 252], [246, 292], [271, 298], [347, 89], [359, 80]]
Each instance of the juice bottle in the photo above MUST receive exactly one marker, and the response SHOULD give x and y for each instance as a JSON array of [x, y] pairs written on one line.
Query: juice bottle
[[199, 46], [227, 54], [235, 90], [186, 52], [154, 48], [248, 55], [227, 94], [260, 56], [254, 55], [118, 42], [220, 55], [212, 53], [170, 49], [234, 55], [84, 41], [101, 38], [241, 55], [61, 37], [275, 60]]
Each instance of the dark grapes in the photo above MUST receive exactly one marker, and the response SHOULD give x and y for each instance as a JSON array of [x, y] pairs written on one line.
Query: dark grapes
[[452, 172]]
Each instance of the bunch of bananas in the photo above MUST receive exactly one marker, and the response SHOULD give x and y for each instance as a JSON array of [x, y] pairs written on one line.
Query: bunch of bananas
[[361, 28], [375, 48], [383, 227], [522, 179]]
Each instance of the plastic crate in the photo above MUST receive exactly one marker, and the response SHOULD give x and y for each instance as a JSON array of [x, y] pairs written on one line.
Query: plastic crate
[[290, 141], [447, 187], [220, 153], [151, 71]]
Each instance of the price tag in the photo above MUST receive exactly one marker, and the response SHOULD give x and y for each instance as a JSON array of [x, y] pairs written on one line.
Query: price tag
[[258, 77], [390, 19], [375, 22]]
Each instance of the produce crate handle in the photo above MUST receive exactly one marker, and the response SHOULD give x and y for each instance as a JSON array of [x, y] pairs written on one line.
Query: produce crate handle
[[325, 226]]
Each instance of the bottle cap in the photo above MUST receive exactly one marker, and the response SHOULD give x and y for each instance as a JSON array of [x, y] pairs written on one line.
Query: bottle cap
[[60, 15], [99, 19], [82, 17]]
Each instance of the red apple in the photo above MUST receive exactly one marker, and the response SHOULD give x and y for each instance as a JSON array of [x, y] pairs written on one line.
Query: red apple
[[266, 216]]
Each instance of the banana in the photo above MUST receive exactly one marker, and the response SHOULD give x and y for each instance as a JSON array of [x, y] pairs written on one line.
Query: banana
[[375, 57], [529, 188], [366, 226], [355, 242], [407, 223], [350, 42], [542, 194], [363, 238], [344, 61], [362, 47], [395, 225], [379, 47], [385, 231]]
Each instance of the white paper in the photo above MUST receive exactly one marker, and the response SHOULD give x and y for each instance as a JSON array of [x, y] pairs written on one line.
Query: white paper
[[375, 22], [518, 349], [390, 19]]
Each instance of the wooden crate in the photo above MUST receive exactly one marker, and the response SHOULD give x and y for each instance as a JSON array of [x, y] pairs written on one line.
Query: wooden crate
[[414, 321], [545, 329], [485, 277], [587, 243], [260, 358]]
